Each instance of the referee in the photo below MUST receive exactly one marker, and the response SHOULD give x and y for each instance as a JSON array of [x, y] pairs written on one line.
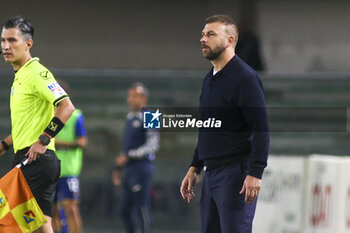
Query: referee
[[235, 156], [39, 109]]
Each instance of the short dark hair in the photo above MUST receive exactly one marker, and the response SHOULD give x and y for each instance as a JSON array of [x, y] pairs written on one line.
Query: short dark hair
[[224, 19], [23, 24]]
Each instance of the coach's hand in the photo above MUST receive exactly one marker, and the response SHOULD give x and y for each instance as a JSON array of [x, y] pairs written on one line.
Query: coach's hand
[[35, 150], [187, 184], [251, 187]]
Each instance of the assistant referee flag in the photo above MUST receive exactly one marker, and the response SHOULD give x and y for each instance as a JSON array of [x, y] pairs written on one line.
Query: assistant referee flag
[[19, 211]]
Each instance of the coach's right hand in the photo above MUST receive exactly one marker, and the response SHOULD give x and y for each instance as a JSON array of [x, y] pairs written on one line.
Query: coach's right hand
[[187, 184], [35, 150]]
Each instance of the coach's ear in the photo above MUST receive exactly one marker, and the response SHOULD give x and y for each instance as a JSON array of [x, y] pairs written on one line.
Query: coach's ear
[[230, 41], [29, 44]]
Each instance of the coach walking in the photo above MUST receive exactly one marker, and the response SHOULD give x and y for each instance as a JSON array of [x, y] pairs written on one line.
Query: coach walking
[[234, 157]]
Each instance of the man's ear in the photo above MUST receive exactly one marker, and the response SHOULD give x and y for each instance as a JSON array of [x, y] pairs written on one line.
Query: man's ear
[[29, 44], [231, 41]]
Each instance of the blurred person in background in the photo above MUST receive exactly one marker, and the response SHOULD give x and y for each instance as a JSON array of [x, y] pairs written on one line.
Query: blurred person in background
[[248, 47], [70, 143], [39, 109], [235, 156], [135, 162]]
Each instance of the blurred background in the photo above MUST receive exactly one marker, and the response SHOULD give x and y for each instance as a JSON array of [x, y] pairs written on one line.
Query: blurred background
[[300, 48]]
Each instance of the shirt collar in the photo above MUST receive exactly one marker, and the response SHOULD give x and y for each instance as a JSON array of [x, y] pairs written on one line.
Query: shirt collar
[[27, 64]]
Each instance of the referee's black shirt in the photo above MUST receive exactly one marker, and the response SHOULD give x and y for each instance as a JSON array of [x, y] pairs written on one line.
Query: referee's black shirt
[[235, 96]]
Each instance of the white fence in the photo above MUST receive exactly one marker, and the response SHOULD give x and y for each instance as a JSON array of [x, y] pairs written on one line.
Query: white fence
[[305, 195]]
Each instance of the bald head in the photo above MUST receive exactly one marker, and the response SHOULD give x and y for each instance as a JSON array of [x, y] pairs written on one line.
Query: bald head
[[137, 97], [140, 88]]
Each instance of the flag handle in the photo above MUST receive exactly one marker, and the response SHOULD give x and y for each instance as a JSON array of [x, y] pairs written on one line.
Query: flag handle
[[22, 163]]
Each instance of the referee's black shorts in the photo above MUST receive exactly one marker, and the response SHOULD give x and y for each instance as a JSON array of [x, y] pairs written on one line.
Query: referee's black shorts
[[42, 176]]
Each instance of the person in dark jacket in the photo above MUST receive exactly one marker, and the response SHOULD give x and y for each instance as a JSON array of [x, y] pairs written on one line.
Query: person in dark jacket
[[234, 157], [136, 160]]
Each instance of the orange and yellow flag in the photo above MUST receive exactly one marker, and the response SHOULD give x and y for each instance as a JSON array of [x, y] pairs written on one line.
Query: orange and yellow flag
[[19, 211]]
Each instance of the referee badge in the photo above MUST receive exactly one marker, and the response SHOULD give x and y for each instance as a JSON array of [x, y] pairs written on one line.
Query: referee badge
[[45, 75]]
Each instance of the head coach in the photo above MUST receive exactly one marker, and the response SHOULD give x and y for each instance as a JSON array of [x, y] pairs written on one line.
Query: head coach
[[234, 157]]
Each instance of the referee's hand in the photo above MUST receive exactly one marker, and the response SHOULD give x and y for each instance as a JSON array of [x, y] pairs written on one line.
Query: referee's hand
[[251, 187], [35, 151], [187, 184]]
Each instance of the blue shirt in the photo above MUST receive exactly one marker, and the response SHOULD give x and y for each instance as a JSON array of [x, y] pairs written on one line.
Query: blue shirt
[[80, 130], [235, 96]]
